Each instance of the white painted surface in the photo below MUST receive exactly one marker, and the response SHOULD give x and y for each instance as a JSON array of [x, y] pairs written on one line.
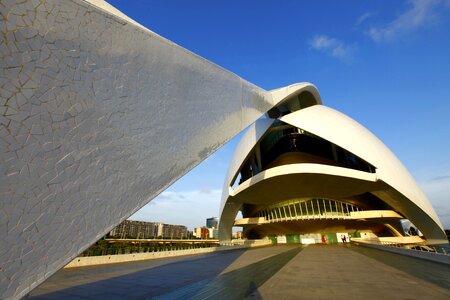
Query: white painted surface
[[293, 90], [281, 239], [311, 238], [307, 241]]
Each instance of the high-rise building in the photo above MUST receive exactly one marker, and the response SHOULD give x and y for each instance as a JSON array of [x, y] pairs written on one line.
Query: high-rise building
[[212, 222]]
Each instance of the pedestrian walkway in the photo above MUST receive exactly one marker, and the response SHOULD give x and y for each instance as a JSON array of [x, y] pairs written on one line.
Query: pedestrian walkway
[[339, 272], [277, 272]]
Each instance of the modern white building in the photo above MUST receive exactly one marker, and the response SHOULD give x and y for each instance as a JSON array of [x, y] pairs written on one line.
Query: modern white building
[[306, 168]]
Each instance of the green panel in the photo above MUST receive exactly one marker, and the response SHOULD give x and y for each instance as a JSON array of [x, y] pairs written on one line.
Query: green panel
[[292, 238], [273, 238], [331, 238], [355, 234]]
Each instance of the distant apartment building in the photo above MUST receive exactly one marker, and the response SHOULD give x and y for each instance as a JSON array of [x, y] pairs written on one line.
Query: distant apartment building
[[135, 229], [201, 233], [174, 231], [145, 230]]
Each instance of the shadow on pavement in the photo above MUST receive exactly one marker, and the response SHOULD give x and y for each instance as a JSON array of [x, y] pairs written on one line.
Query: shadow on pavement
[[188, 277], [237, 284], [436, 273]]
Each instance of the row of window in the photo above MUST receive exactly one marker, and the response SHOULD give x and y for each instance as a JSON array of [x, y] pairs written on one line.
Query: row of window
[[307, 209]]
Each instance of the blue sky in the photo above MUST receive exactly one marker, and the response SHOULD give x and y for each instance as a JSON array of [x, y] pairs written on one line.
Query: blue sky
[[384, 63]]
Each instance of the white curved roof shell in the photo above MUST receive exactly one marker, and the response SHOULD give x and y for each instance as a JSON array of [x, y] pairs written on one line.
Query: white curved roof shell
[[345, 132], [400, 189]]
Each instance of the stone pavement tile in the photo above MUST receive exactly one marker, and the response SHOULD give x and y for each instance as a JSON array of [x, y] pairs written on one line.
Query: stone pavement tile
[[238, 283], [71, 277], [317, 272], [335, 272], [160, 278], [251, 257]]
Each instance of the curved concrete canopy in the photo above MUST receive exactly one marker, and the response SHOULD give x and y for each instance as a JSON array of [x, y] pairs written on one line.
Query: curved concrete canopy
[[304, 180], [285, 93], [290, 182], [294, 97]]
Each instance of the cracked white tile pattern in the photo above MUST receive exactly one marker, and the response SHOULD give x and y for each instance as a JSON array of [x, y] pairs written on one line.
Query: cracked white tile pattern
[[97, 116]]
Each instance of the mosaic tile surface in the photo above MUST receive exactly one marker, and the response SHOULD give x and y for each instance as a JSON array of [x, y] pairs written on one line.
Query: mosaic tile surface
[[97, 116]]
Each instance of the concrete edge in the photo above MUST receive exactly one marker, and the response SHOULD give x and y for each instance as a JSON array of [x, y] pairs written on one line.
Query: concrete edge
[[435, 257], [121, 258]]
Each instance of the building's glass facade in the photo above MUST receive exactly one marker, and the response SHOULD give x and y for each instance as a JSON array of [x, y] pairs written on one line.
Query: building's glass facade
[[308, 209]]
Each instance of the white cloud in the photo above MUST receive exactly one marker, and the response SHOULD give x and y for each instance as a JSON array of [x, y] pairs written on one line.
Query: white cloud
[[333, 47], [363, 18], [322, 42], [189, 208], [421, 13]]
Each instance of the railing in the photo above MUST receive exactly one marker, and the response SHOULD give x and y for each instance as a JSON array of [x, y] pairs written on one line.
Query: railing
[[421, 252], [247, 243], [143, 246], [132, 246], [421, 248], [162, 241]]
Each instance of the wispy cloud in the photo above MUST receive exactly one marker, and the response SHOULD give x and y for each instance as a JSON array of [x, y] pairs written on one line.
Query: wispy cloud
[[333, 47], [444, 177], [420, 13], [363, 18]]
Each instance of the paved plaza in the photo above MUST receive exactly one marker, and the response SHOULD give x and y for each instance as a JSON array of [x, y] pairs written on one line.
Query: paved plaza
[[274, 272]]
